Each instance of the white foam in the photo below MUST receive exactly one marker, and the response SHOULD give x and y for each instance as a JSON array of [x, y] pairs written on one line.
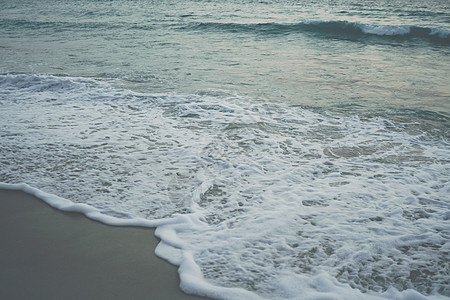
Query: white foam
[[250, 199], [442, 33], [87, 210], [318, 287], [170, 248], [385, 29]]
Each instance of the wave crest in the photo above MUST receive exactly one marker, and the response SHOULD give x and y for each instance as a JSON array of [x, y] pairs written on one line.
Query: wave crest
[[335, 29]]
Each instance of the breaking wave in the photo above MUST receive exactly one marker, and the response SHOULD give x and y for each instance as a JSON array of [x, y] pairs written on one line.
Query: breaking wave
[[335, 29]]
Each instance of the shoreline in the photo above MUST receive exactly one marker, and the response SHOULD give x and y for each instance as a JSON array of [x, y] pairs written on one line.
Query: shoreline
[[50, 254]]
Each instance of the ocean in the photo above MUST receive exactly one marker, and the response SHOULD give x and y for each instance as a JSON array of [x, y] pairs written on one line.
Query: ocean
[[283, 149]]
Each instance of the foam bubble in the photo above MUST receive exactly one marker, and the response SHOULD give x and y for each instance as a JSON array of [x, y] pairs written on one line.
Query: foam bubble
[[386, 29], [250, 199]]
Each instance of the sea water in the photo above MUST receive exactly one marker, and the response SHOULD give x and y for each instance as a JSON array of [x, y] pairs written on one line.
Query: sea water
[[283, 149]]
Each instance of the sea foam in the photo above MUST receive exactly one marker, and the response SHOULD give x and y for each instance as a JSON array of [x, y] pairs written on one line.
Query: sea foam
[[251, 199]]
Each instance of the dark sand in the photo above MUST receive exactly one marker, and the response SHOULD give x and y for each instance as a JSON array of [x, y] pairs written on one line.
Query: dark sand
[[49, 254]]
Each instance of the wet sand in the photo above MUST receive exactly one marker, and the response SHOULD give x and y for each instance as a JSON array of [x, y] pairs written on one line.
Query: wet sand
[[49, 254]]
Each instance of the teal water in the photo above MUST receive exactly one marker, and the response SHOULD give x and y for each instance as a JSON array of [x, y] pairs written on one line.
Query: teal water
[[270, 50], [297, 148]]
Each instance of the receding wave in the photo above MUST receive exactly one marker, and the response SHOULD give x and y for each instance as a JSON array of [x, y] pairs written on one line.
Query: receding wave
[[336, 29], [254, 183]]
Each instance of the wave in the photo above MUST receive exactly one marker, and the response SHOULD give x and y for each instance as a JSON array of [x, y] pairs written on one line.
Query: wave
[[324, 29], [336, 29], [240, 189]]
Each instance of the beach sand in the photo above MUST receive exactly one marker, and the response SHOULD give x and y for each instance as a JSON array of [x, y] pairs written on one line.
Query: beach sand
[[49, 254]]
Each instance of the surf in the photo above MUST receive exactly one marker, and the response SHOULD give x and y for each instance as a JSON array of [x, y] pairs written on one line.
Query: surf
[[333, 29], [241, 190]]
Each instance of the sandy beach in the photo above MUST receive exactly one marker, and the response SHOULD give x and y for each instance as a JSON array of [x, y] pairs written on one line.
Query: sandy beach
[[49, 254]]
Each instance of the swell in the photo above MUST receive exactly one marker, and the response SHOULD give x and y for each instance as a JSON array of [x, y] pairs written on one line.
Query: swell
[[322, 29], [334, 29]]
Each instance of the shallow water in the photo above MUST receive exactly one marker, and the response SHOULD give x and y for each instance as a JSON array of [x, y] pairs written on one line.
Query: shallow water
[[286, 149]]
